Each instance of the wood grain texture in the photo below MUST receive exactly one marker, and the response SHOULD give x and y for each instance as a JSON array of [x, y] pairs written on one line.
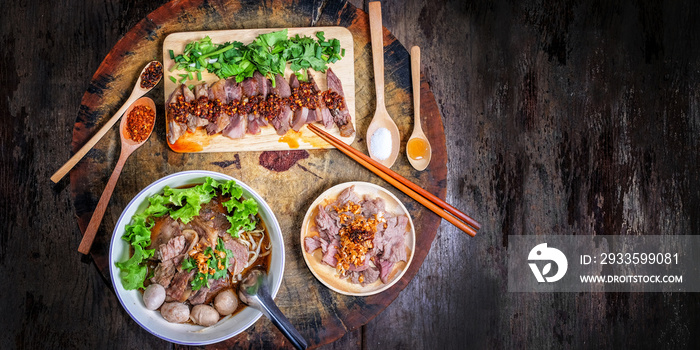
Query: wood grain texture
[[560, 117], [321, 315]]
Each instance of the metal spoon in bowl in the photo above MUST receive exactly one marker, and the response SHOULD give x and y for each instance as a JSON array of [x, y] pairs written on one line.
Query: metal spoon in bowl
[[383, 139], [254, 291], [128, 147]]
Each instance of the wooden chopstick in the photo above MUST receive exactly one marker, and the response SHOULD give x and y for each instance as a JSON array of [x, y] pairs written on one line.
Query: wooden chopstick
[[435, 204]]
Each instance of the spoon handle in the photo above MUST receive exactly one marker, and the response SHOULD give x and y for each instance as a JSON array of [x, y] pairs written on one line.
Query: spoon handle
[[270, 309], [415, 80], [62, 171], [377, 38], [99, 212]]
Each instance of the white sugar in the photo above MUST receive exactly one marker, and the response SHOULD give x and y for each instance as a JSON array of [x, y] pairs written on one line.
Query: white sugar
[[380, 144]]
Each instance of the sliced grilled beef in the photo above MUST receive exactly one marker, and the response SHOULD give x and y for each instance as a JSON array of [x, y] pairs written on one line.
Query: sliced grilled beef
[[175, 129], [341, 116], [218, 91], [264, 88], [250, 90], [201, 95], [314, 114], [282, 121], [236, 127], [300, 115], [237, 123], [234, 91]]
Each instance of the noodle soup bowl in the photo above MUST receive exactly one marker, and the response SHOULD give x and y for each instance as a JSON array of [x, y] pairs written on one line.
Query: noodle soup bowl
[[152, 321]]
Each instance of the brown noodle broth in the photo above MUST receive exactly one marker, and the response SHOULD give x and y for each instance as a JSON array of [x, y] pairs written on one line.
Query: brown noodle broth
[[261, 261]]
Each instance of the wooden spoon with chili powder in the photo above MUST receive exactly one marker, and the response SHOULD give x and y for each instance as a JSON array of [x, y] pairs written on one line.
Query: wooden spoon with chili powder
[[135, 129], [148, 79]]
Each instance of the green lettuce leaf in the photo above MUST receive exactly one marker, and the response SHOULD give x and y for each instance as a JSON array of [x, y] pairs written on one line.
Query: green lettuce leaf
[[240, 215], [133, 271]]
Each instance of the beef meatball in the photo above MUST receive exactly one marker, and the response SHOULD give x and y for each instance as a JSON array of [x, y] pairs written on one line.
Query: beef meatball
[[226, 302], [204, 315], [175, 312]]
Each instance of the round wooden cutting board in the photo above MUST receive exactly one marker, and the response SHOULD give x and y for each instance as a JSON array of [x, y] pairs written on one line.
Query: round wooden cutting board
[[288, 180]]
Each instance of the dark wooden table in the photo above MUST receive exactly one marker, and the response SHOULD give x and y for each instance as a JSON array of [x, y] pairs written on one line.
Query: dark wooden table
[[559, 119]]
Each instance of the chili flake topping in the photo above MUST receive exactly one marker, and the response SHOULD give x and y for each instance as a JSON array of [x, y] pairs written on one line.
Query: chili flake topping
[[356, 237], [151, 76], [139, 123], [211, 263]]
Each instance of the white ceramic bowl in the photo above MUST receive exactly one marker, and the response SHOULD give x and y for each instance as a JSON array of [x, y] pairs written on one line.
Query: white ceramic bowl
[[152, 321]]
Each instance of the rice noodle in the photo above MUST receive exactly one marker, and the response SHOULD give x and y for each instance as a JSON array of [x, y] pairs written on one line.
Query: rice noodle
[[253, 240], [244, 242], [256, 237]]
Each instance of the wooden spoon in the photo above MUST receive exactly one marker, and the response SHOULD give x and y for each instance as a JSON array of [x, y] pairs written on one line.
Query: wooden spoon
[[135, 94], [418, 148], [381, 119], [128, 147]]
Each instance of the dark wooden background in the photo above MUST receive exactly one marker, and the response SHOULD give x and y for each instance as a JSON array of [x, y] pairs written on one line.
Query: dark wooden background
[[560, 118]]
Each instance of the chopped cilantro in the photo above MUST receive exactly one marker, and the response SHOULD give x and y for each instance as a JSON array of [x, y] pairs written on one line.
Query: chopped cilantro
[[215, 265], [268, 54], [188, 264]]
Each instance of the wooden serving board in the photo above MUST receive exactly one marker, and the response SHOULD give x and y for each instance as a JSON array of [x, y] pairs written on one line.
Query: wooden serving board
[[288, 180], [267, 140]]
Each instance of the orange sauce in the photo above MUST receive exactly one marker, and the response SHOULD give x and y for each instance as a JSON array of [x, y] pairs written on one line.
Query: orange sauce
[[316, 141], [294, 138], [182, 146], [417, 149], [291, 138]]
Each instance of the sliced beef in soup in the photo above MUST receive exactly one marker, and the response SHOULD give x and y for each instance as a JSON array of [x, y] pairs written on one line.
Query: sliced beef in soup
[[240, 255], [165, 229], [164, 273], [179, 289], [205, 295]]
